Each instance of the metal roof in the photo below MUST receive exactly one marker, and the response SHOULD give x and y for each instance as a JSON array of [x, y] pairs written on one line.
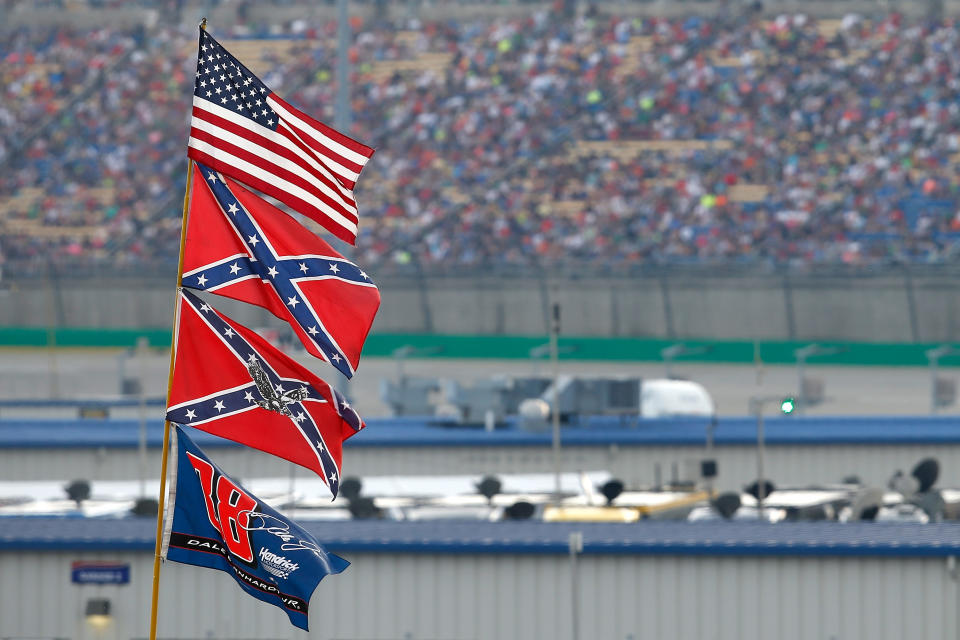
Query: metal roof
[[591, 431], [529, 537]]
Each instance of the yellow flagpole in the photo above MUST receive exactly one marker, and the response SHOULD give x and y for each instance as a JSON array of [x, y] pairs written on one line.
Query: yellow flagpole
[[166, 423]]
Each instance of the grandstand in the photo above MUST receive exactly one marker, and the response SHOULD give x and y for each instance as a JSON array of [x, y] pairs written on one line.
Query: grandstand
[[754, 138]]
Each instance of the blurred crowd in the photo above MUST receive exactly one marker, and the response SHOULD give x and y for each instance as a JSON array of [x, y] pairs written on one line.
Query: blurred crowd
[[521, 141]]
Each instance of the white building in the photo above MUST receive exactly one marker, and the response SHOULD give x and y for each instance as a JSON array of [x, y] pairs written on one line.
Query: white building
[[507, 580]]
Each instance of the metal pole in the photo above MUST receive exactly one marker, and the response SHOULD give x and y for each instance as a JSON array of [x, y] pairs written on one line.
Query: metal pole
[[53, 372], [801, 397], [341, 116], [761, 487], [711, 430], [142, 444], [555, 410], [933, 385], [576, 547]]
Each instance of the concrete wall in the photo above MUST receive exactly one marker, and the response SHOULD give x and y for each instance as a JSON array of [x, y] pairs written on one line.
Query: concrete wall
[[886, 308], [390, 596]]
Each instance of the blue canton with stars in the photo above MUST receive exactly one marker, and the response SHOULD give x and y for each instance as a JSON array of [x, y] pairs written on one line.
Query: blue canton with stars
[[279, 272], [224, 81], [237, 400]]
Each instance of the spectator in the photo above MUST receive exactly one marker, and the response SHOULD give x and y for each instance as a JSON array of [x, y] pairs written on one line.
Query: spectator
[[797, 141]]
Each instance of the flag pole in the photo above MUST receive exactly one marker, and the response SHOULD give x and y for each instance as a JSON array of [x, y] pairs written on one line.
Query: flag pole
[[166, 423]]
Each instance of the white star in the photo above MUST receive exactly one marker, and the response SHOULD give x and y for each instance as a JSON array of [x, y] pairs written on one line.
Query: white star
[[334, 268], [233, 208], [300, 417], [218, 405], [229, 332], [293, 302], [246, 81], [303, 267], [253, 240], [202, 280], [273, 272], [212, 177], [209, 93], [312, 331], [205, 307], [191, 414], [333, 476], [319, 446], [345, 404], [270, 122], [364, 276], [203, 83], [219, 90], [234, 268], [248, 396], [336, 358], [258, 103], [223, 100], [264, 112], [280, 390]]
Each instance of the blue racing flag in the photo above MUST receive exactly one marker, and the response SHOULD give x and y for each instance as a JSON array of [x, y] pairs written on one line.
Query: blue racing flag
[[212, 521]]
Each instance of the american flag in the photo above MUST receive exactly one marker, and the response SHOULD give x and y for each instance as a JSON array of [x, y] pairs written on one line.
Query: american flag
[[244, 130]]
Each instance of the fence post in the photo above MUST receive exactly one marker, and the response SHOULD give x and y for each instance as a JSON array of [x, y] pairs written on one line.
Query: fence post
[[911, 304], [788, 304], [667, 307]]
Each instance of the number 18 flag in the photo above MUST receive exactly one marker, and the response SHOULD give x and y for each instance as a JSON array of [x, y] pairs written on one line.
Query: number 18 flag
[[214, 522]]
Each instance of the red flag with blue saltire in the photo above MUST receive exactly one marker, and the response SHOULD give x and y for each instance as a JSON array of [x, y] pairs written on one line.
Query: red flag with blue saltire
[[242, 247], [231, 382], [241, 127]]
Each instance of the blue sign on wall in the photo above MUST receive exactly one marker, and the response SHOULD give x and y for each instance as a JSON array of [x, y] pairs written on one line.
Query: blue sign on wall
[[99, 573]]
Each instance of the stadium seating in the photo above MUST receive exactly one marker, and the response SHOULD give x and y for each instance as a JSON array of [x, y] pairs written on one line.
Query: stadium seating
[[513, 140]]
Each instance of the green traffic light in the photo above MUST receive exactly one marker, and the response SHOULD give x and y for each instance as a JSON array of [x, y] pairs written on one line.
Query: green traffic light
[[787, 405]]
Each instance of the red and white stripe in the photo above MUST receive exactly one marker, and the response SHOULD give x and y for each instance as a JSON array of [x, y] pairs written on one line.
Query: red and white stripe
[[304, 164]]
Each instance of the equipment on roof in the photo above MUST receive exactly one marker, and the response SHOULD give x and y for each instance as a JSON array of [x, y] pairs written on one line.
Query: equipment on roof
[[410, 396]]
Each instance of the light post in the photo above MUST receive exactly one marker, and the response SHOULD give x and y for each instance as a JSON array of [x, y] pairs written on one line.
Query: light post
[[802, 355], [933, 357], [787, 406], [555, 409], [674, 351]]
